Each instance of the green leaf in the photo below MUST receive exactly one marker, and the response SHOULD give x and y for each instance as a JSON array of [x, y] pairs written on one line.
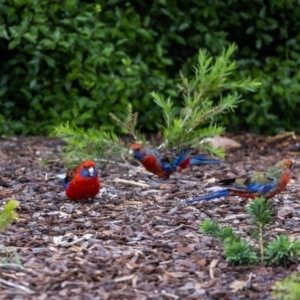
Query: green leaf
[[8, 215]]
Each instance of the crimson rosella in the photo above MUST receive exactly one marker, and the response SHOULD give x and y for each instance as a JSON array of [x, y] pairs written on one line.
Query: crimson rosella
[[150, 159], [165, 164], [181, 159], [82, 182]]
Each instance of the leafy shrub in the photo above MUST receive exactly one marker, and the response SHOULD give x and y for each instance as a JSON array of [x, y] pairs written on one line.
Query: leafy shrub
[[61, 62], [78, 61]]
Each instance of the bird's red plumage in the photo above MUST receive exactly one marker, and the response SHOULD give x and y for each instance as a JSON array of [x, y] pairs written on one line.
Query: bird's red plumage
[[80, 187], [150, 161], [151, 164], [184, 164], [164, 163]]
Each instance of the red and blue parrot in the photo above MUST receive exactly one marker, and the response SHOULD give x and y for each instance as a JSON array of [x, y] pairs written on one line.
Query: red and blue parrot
[[165, 164], [83, 182], [257, 184]]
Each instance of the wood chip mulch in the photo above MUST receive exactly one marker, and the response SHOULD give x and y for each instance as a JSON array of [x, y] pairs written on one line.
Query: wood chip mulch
[[136, 240]]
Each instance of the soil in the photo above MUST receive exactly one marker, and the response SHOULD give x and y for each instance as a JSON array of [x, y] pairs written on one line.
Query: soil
[[136, 240]]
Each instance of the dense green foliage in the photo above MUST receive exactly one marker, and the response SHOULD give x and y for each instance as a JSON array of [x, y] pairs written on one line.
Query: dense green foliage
[[76, 60]]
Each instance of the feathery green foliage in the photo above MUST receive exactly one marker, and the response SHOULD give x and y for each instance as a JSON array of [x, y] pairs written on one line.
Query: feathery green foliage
[[130, 124], [97, 143], [238, 251], [211, 227], [261, 214], [8, 214], [287, 289], [185, 126], [200, 108], [282, 251], [88, 144]]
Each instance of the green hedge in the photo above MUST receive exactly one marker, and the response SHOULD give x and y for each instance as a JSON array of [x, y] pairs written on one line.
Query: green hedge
[[76, 60]]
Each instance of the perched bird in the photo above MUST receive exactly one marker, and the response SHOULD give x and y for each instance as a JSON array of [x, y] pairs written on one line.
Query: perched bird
[[257, 184], [165, 164], [151, 160], [82, 182]]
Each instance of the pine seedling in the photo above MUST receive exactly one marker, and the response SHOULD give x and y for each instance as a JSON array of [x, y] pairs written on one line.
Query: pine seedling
[[282, 251], [239, 252], [261, 214], [212, 228]]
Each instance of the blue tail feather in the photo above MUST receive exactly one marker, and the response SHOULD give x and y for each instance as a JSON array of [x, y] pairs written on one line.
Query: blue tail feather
[[202, 160], [218, 194]]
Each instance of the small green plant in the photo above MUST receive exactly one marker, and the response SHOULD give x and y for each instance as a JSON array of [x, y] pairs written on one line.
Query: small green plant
[[8, 214], [238, 251], [206, 96], [287, 289], [224, 233], [7, 258], [282, 251], [261, 217], [6, 217]]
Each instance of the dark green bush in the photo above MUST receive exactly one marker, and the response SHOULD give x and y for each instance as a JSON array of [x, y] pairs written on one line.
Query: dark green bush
[[76, 60], [61, 62]]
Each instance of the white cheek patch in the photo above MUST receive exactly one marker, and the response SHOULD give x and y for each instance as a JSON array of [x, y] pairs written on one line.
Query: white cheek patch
[[131, 152], [91, 171]]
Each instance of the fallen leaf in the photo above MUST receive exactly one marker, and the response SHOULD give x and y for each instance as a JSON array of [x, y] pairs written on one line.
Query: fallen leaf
[[238, 285]]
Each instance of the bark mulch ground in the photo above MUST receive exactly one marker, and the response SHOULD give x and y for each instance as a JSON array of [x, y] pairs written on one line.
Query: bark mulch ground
[[133, 242]]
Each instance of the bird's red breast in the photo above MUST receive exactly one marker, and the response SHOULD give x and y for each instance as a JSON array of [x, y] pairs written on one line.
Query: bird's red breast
[[83, 181]]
